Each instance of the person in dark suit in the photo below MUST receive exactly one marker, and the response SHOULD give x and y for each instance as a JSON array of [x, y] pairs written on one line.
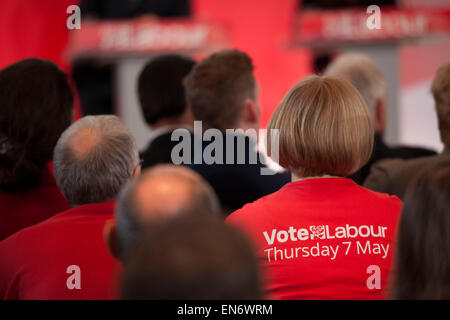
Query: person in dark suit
[[222, 93], [394, 175], [163, 104], [362, 72]]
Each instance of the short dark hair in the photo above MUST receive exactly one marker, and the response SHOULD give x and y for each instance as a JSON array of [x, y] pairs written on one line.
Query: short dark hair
[[160, 87], [36, 105], [192, 257], [421, 263], [217, 87]]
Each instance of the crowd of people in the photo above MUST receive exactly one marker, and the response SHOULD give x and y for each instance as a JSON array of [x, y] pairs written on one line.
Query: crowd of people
[[84, 214]]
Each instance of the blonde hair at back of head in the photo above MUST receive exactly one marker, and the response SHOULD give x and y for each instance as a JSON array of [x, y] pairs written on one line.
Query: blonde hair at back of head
[[324, 128]]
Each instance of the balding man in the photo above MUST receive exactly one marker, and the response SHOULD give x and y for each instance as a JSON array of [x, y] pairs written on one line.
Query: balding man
[[65, 257], [217, 262], [360, 70], [160, 193]]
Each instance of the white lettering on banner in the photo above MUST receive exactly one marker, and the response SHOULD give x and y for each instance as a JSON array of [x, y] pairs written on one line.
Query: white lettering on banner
[[324, 232]]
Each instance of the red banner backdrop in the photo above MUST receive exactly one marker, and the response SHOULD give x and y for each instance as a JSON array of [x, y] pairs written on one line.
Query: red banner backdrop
[[351, 25], [142, 36]]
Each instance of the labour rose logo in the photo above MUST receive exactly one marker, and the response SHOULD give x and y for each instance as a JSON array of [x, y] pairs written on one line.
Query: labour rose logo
[[318, 231]]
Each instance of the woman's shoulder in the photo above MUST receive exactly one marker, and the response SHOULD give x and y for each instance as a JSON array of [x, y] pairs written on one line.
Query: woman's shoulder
[[248, 212], [381, 199]]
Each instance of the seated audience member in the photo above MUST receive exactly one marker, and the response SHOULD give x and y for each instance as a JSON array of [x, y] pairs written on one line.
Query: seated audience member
[[36, 106], [163, 104], [362, 72], [223, 94], [322, 236], [65, 256], [162, 192], [421, 263], [393, 176], [191, 257]]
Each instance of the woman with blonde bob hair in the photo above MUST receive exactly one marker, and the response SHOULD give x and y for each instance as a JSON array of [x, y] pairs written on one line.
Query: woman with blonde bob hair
[[322, 236]]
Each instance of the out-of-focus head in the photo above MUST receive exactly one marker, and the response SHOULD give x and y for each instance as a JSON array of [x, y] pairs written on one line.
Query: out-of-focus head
[[222, 91], [324, 128], [94, 158], [360, 70], [192, 257], [162, 192], [161, 90], [422, 264], [441, 94], [36, 106]]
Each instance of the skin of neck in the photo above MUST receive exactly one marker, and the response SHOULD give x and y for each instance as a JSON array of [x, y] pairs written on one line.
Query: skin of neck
[[294, 177]]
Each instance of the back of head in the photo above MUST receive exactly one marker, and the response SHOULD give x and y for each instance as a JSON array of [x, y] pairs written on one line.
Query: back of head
[[36, 106], [93, 158], [422, 264], [161, 193], [441, 94], [324, 128], [191, 257], [218, 86], [160, 87], [360, 70]]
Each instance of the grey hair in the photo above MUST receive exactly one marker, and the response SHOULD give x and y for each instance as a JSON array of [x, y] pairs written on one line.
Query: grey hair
[[203, 200], [360, 70], [97, 174]]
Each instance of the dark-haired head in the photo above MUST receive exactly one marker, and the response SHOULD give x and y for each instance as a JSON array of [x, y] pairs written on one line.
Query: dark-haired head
[[160, 88], [222, 91], [422, 259], [36, 105]]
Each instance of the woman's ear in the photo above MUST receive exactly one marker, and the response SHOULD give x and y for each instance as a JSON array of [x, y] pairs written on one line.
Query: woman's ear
[[110, 238]]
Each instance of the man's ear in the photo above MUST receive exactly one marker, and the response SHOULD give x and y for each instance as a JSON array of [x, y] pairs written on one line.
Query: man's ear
[[136, 172], [110, 238], [250, 115], [380, 116]]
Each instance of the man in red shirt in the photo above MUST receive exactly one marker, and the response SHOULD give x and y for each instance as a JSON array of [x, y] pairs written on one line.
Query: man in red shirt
[[65, 256], [322, 236]]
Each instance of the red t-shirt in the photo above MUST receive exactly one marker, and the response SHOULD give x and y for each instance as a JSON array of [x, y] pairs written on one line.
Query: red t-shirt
[[63, 257], [24, 209], [324, 238]]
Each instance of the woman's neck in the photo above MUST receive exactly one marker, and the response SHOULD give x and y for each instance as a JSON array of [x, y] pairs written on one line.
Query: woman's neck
[[297, 178]]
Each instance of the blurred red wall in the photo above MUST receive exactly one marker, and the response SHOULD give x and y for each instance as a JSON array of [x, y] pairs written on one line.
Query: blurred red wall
[[261, 28]]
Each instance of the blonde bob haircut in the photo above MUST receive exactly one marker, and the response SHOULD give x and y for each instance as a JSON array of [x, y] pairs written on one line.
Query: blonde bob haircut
[[324, 128]]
